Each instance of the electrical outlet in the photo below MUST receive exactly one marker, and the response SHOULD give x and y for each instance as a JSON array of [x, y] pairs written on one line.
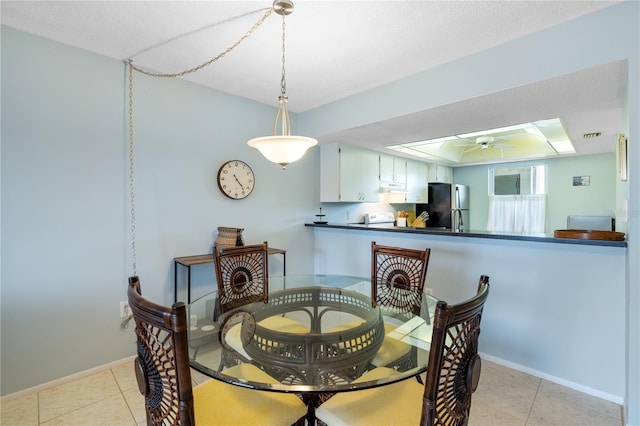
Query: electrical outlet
[[429, 291], [125, 309], [348, 215]]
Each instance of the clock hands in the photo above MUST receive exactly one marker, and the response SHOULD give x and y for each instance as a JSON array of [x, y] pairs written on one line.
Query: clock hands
[[241, 186]]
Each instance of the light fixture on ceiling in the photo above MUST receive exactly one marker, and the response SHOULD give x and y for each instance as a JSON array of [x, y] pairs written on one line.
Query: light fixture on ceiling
[[563, 146], [527, 140], [282, 147]]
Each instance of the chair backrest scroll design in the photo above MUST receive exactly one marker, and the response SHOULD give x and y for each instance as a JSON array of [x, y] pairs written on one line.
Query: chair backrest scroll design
[[454, 365], [397, 277], [162, 363], [242, 274]]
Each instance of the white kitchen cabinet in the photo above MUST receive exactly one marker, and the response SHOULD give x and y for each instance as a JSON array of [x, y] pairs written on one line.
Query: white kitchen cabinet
[[348, 174], [439, 173], [393, 169], [417, 179]]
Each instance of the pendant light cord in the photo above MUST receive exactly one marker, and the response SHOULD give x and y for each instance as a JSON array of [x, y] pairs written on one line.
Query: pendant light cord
[[131, 67], [212, 60]]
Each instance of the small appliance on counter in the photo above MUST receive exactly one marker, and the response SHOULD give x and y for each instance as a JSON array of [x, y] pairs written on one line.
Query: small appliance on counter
[[591, 223], [382, 219]]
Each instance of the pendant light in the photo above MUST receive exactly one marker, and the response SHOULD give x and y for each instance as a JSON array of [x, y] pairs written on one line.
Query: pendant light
[[282, 148]]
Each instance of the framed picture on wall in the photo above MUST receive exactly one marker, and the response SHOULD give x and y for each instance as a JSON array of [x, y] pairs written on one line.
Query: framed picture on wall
[[581, 180], [622, 156]]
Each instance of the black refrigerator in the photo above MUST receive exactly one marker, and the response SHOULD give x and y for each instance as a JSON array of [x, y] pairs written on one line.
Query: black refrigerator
[[448, 207]]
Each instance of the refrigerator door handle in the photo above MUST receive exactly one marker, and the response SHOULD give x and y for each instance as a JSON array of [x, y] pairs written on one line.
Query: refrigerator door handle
[[457, 220]]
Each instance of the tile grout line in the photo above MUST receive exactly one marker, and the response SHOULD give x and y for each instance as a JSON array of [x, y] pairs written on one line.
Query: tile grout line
[[533, 402], [135, 422]]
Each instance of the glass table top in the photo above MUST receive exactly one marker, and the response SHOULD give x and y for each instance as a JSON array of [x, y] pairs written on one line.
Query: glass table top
[[316, 334]]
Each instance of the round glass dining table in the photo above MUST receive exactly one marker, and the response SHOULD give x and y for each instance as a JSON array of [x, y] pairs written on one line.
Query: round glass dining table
[[315, 335]]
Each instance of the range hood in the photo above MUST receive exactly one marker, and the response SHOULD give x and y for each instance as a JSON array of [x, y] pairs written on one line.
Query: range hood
[[387, 187]]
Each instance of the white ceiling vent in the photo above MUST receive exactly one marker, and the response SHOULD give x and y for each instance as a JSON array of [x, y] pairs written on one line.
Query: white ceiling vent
[[591, 135]]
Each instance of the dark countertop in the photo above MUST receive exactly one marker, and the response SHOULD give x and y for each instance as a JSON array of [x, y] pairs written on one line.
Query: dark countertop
[[468, 234]]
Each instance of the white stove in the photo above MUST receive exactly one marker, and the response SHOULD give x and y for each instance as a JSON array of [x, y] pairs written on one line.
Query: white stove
[[379, 219]]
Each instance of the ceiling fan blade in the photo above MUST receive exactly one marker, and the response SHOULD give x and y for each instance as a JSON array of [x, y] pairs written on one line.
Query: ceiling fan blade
[[507, 136], [473, 148], [501, 146]]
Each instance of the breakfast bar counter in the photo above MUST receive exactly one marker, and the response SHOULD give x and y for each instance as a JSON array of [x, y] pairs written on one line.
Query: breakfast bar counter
[[548, 294], [543, 238]]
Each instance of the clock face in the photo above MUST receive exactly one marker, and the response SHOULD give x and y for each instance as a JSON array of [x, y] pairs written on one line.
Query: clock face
[[236, 179]]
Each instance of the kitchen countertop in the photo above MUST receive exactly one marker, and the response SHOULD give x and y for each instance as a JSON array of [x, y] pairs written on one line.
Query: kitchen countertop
[[543, 238]]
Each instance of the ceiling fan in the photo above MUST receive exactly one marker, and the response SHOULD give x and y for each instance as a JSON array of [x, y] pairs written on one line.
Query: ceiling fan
[[485, 142]]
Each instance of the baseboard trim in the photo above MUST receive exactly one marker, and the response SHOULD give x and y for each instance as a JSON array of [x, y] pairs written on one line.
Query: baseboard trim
[[617, 399], [66, 379]]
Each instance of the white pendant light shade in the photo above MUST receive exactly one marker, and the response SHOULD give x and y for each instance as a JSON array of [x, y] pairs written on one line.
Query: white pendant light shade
[[282, 149]]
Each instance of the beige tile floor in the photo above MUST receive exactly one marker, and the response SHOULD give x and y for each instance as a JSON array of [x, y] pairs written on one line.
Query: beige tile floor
[[504, 397]]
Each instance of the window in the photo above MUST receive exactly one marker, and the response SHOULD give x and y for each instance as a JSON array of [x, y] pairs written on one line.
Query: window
[[506, 185], [524, 180], [517, 199]]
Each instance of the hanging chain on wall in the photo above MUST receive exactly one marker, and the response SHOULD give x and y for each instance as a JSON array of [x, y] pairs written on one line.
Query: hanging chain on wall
[[132, 209], [212, 60], [132, 205], [283, 80], [131, 68]]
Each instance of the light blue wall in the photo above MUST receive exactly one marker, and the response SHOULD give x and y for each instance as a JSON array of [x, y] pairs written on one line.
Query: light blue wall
[[542, 315], [563, 199], [607, 36], [65, 232]]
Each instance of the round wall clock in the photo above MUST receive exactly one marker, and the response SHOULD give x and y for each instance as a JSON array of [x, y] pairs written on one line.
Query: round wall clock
[[236, 179]]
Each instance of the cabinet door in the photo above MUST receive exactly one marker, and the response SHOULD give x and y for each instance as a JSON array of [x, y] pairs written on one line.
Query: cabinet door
[[387, 173], [447, 174], [369, 176], [438, 173], [350, 173], [329, 173], [392, 169], [417, 178], [400, 170]]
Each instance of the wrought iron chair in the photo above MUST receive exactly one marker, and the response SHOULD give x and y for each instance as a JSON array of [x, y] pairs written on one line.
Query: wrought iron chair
[[164, 377], [242, 273], [397, 281], [452, 376]]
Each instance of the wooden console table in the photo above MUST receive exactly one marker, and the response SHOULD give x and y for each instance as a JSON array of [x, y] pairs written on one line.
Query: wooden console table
[[200, 259]]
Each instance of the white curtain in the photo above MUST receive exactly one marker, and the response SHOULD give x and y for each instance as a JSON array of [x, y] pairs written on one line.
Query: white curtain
[[522, 214]]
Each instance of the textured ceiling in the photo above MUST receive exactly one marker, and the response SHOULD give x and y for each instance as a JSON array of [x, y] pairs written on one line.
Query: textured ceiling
[[586, 101], [332, 46]]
